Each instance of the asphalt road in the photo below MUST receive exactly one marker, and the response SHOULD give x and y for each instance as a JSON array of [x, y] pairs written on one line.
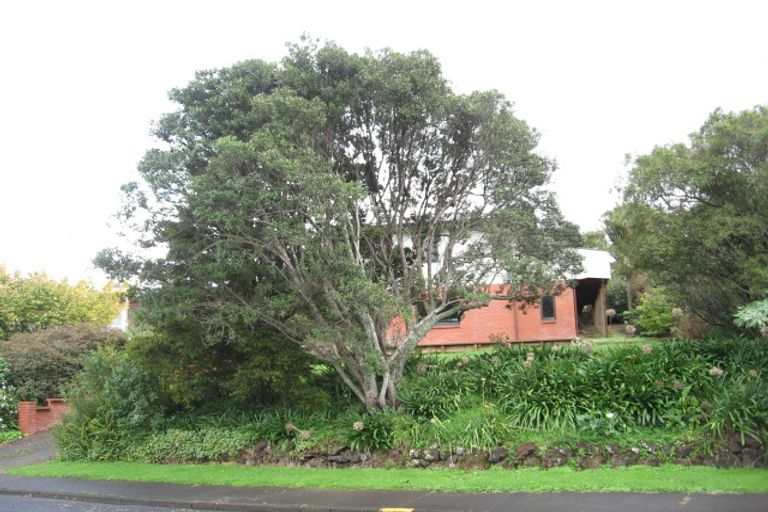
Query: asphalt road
[[25, 504]]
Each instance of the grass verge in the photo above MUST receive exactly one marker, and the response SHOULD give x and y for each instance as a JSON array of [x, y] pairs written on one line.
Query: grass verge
[[667, 478]]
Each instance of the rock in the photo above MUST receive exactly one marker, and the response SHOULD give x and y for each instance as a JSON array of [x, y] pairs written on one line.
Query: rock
[[531, 461], [635, 450], [684, 451], [497, 455], [524, 450], [431, 455], [414, 454], [751, 442], [304, 456], [752, 458], [725, 459], [458, 451], [339, 459], [613, 449], [592, 462], [474, 460], [260, 446], [316, 463], [734, 446], [618, 462]]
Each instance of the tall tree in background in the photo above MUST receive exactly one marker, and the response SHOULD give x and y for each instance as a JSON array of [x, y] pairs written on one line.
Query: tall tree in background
[[37, 302], [334, 192], [694, 216]]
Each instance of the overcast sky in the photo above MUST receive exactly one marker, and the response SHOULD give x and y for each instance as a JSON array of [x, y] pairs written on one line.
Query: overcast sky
[[80, 84]]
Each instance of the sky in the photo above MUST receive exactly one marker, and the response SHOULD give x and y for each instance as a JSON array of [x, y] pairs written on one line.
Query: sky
[[82, 82]]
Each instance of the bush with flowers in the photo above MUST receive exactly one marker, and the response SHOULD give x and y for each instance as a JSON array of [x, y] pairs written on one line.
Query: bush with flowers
[[8, 409]]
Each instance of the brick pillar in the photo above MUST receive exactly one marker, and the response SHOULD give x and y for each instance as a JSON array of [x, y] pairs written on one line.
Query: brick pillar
[[34, 418], [27, 415]]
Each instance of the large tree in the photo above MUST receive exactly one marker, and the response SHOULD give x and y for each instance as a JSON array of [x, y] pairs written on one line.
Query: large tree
[[35, 302], [694, 216], [335, 195]]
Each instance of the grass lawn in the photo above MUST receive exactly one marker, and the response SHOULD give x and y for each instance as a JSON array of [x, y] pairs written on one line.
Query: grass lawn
[[668, 478]]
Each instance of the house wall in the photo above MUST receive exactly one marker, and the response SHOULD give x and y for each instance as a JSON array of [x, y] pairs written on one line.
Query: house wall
[[502, 320]]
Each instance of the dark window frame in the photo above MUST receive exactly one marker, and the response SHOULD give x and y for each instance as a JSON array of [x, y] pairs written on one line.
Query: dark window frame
[[543, 307]]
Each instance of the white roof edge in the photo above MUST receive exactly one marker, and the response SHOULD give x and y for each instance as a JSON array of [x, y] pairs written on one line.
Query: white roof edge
[[596, 264]]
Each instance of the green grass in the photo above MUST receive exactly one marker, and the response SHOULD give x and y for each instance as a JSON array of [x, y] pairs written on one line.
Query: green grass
[[667, 478]]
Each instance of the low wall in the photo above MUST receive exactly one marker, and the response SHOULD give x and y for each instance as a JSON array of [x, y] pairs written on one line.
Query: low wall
[[34, 418]]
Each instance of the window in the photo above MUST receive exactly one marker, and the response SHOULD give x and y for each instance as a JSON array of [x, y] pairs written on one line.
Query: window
[[454, 319], [548, 308]]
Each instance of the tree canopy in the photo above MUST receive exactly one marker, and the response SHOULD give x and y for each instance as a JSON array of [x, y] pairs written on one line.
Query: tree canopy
[[332, 193], [37, 302], [694, 216]]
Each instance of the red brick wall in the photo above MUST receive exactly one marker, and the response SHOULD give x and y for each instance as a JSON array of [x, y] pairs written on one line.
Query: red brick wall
[[504, 320], [34, 418]]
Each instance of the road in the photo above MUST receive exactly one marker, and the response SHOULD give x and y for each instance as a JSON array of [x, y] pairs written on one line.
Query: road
[[25, 504]]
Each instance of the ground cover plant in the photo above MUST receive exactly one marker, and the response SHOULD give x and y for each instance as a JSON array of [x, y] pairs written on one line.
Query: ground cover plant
[[668, 478], [677, 400]]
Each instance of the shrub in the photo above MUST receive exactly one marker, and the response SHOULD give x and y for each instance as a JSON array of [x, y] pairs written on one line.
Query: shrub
[[740, 406], [478, 428], [187, 446], [753, 316], [114, 405], [8, 408], [366, 432], [259, 368], [43, 362], [438, 392], [654, 314]]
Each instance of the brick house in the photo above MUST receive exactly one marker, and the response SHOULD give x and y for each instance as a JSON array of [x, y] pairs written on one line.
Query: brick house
[[554, 318]]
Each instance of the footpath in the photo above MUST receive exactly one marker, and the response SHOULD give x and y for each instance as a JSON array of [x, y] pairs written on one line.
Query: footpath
[[262, 499]]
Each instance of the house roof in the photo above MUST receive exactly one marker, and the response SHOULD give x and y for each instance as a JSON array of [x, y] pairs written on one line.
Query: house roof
[[596, 264]]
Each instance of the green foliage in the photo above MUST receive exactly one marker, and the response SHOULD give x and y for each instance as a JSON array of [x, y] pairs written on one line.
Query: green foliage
[[38, 302], [694, 214], [625, 394], [114, 405], [43, 362], [654, 315], [753, 315], [595, 240], [8, 406], [192, 446], [739, 405], [481, 427], [305, 195], [7, 436], [437, 393], [370, 431], [259, 368], [614, 391]]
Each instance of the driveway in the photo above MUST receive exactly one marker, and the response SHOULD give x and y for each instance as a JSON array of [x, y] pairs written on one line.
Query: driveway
[[30, 450]]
